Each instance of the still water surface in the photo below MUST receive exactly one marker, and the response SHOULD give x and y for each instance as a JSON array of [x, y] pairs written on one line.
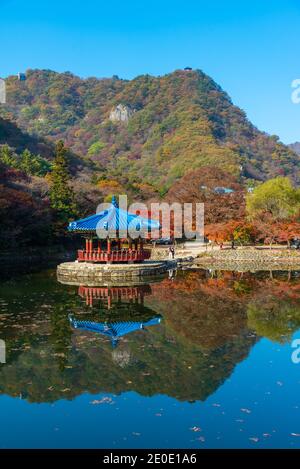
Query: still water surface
[[194, 361]]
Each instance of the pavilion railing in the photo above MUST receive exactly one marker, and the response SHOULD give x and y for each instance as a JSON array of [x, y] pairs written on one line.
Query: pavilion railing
[[124, 255], [114, 292]]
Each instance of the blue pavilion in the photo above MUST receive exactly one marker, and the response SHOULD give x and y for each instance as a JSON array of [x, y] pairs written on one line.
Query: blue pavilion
[[111, 247]]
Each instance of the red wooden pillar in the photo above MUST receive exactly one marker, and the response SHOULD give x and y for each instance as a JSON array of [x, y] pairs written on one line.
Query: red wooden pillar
[[108, 245], [91, 245], [87, 244], [99, 246]]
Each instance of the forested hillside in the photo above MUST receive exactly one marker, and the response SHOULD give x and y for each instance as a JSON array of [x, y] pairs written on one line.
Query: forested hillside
[[169, 126], [151, 138]]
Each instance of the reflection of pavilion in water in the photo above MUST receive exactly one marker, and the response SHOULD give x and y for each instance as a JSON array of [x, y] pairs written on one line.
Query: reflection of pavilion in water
[[113, 330], [127, 301], [110, 296]]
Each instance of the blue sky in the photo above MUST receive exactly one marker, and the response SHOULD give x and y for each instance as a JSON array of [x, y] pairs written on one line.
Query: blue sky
[[251, 48]]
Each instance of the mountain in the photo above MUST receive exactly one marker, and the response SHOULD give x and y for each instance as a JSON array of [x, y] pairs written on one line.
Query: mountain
[[295, 147], [147, 133]]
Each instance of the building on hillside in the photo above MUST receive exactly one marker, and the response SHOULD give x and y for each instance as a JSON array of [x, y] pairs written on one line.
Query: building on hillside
[[21, 76], [223, 190]]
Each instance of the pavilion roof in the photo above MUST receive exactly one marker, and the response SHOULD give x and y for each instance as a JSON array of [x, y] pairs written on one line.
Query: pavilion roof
[[114, 218]]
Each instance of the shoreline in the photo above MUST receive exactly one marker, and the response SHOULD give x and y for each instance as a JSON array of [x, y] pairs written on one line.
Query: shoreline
[[240, 259], [249, 259]]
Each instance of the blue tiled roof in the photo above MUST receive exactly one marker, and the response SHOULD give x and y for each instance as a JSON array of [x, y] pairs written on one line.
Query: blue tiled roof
[[114, 219], [223, 190], [113, 330]]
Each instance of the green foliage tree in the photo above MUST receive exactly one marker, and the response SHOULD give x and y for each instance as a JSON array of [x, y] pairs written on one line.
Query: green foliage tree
[[33, 165], [61, 193], [7, 156], [277, 197], [95, 148]]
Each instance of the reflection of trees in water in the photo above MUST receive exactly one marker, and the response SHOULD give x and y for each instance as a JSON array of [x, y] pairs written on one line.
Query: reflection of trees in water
[[61, 334], [147, 364], [212, 310], [275, 320], [204, 311], [204, 334], [121, 356], [275, 313]]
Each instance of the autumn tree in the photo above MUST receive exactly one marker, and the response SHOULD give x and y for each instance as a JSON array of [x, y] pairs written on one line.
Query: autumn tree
[[234, 230]]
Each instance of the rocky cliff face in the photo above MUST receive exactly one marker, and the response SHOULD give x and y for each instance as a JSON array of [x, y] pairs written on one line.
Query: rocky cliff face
[[295, 147], [121, 113], [2, 91]]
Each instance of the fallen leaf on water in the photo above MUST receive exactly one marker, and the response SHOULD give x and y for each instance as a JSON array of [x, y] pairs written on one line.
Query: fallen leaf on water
[[295, 434], [254, 439], [196, 429], [247, 411]]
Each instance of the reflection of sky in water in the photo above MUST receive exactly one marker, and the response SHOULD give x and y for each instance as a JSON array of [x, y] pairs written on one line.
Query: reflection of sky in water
[[254, 401]]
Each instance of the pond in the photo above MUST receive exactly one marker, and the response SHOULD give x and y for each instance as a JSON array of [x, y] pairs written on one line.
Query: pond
[[194, 360]]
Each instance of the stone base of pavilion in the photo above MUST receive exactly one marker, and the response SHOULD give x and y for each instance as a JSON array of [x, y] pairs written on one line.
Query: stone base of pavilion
[[86, 271]]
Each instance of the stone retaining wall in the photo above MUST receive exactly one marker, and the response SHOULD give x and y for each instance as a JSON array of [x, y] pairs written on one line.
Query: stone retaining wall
[[83, 271], [250, 259]]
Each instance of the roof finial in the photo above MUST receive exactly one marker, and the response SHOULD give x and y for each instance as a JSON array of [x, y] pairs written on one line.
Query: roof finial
[[114, 201]]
